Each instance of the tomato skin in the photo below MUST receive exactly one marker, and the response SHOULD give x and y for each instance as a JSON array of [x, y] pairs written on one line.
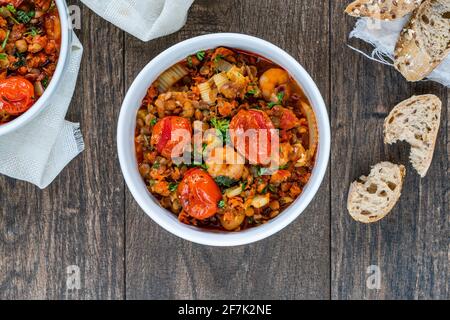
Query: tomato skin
[[16, 95], [199, 194], [15, 3], [288, 120], [162, 138], [252, 120]]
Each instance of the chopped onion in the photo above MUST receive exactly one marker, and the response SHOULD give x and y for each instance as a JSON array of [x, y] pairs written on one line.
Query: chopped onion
[[313, 130], [220, 79], [223, 65], [260, 201], [170, 77], [233, 192]]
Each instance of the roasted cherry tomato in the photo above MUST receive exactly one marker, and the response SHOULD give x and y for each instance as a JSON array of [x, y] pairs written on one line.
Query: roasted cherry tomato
[[256, 147], [16, 95], [288, 120], [171, 135], [15, 3], [199, 194]]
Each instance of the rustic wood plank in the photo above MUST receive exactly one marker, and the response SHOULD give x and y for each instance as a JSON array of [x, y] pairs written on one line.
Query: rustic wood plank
[[410, 246], [78, 220], [293, 264]]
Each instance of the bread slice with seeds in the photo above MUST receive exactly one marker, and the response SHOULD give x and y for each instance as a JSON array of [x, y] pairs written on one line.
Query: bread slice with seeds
[[371, 198], [416, 121], [425, 41], [382, 9]]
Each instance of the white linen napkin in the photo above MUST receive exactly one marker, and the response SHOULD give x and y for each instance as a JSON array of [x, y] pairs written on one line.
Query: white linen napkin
[[383, 35], [38, 151], [144, 19]]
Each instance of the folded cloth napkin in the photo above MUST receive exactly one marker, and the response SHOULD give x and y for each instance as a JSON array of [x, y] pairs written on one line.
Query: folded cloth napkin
[[144, 19], [42, 148], [383, 35]]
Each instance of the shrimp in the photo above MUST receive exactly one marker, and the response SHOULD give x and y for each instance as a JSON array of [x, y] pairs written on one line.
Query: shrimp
[[272, 82], [224, 161]]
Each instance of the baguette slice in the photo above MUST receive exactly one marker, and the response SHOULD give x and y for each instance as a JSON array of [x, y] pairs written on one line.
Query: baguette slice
[[416, 121], [425, 41], [382, 9], [371, 198]]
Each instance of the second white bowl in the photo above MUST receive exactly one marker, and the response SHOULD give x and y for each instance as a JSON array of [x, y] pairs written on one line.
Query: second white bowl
[[127, 123]]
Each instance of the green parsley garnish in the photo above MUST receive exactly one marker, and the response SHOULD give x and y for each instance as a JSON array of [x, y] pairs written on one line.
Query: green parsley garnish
[[173, 186], [3, 56], [263, 171], [44, 82], [251, 92], [222, 125], [200, 55], [224, 182], [33, 31], [21, 62], [221, 204], [280, 97], [218, 58], [156, 165], [11, 8], [6, 39], [24, 17], [153, 121], [200, 165]]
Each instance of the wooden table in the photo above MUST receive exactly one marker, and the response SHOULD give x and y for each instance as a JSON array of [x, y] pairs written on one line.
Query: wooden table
[[88, 218]]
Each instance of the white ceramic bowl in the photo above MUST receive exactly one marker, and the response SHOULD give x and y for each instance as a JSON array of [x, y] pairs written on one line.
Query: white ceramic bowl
[[127, 122], [42, 102]]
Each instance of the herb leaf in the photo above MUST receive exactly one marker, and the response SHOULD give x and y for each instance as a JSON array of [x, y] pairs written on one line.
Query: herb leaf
[[11, 8], [218, 58], [221, 204], [222, 125], [173, 186], [280, 97], [33, 31], [24, 17], [225, 182], [6, 39], [200, 55], [44, 82]]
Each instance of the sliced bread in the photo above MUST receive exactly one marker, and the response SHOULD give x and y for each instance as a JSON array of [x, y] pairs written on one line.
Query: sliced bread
[[371, 198], [416, 121], [425, 41], [382, 9]]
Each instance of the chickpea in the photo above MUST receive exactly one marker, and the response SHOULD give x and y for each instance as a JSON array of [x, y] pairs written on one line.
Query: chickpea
[[4, 62], [144, 169], [50, 48], [249, 212], [274, 205], [198, 115], [21, 45], [35, 47]]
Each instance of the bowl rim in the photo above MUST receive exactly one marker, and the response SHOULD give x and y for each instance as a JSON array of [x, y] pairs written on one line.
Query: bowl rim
[[43, 101], [125, 138]]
